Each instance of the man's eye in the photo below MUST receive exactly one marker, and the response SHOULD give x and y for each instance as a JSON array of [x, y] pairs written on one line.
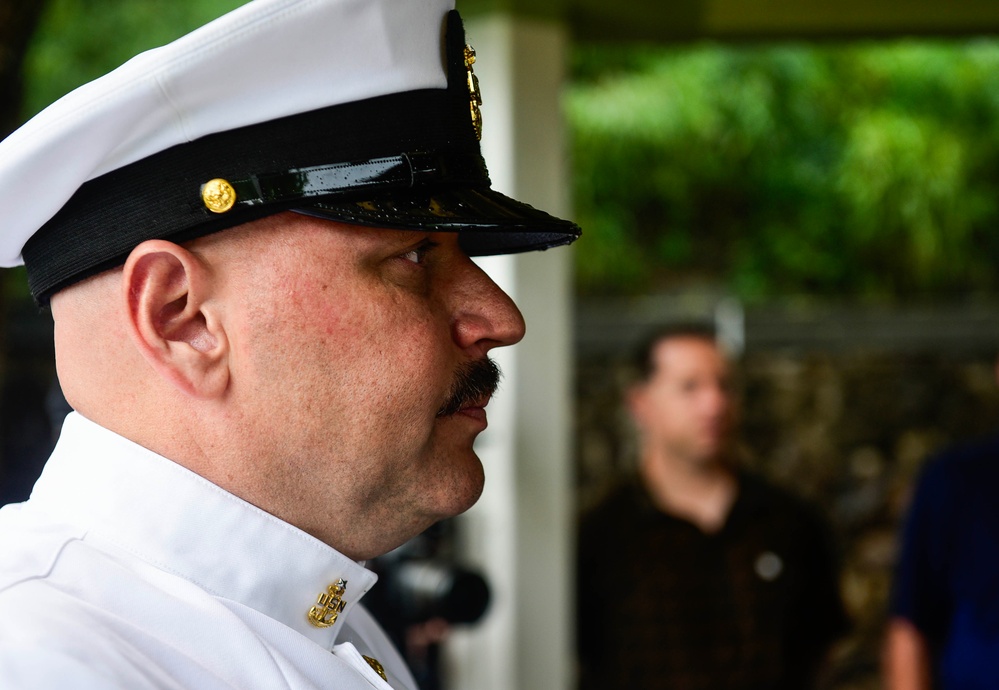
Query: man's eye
[[418, 254]]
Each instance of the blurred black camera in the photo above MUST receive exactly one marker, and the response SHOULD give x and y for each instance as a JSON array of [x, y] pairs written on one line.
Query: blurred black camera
[[419, 581], [418, 590], [421, 592]]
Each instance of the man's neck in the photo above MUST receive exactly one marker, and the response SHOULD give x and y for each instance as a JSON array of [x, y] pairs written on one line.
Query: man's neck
[[701, 493]]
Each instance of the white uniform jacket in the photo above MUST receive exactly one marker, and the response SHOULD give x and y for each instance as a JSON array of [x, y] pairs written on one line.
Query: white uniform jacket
[[126, 570]]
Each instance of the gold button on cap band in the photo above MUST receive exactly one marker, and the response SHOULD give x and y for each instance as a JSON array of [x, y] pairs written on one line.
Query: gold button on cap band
[[218, 195]]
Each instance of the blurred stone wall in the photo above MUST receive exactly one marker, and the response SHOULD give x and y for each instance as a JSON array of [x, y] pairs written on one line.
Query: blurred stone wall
[[843, 423]]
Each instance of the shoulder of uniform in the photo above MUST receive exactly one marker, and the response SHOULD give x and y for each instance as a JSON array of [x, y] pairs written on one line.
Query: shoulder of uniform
[[31, 545]]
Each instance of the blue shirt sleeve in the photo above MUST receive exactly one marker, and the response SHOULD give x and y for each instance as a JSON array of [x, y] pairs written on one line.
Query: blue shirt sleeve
[[921, 588]]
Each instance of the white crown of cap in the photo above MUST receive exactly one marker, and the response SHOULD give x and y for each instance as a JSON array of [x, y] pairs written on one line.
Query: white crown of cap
[[265, 60]]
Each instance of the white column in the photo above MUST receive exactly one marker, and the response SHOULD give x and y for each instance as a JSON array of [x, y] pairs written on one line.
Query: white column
[[520, 532]]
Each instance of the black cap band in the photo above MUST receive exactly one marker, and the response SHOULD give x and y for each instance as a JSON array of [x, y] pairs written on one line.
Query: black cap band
[[161, 196]]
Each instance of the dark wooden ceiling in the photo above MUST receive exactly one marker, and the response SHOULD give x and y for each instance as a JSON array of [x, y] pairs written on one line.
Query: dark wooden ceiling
[[753, 20]]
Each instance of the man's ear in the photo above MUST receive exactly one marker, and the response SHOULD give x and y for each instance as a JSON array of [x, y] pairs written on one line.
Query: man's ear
[[172, 319]]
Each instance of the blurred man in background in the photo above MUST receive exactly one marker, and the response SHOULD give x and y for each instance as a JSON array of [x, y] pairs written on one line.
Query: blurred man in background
[[699, 574]]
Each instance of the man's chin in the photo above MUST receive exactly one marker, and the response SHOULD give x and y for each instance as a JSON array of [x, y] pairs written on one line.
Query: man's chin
[[468, 481], [709, 455], [457, 503]]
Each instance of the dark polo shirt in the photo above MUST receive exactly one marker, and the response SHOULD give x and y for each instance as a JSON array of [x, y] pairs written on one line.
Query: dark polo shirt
[[663, 605]]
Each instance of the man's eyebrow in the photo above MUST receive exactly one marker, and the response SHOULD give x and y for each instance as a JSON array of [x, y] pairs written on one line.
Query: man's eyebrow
[[393, 236], [406, 240]]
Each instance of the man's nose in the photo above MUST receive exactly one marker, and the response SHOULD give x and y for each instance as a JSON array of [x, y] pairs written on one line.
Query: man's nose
[[484, 316]]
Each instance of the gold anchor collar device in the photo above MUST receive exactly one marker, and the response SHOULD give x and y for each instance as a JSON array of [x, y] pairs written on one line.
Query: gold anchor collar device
[[329, 605]]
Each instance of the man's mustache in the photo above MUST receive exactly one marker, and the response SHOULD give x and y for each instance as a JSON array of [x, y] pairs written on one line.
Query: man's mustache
[[472, 382]]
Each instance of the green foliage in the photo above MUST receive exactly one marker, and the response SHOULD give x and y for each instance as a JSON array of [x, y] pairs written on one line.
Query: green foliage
[[79, 40], [864, 170]]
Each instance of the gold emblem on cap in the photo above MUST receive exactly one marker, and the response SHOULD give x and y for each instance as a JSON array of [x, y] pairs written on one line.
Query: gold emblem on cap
[[375, 664], [329, 605], [474, 94], [218, 195]]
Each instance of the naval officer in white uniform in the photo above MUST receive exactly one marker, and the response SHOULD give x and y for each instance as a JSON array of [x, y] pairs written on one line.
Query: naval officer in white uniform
[[255, 245]]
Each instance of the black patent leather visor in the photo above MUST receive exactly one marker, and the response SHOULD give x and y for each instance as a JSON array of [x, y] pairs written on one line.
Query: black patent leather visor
[[487, 222]]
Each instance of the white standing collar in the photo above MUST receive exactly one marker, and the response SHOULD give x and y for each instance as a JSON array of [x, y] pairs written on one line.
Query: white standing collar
[[174, 519]]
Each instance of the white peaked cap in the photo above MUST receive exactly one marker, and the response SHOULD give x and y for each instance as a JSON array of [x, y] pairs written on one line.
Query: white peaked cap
[[355, 110]]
